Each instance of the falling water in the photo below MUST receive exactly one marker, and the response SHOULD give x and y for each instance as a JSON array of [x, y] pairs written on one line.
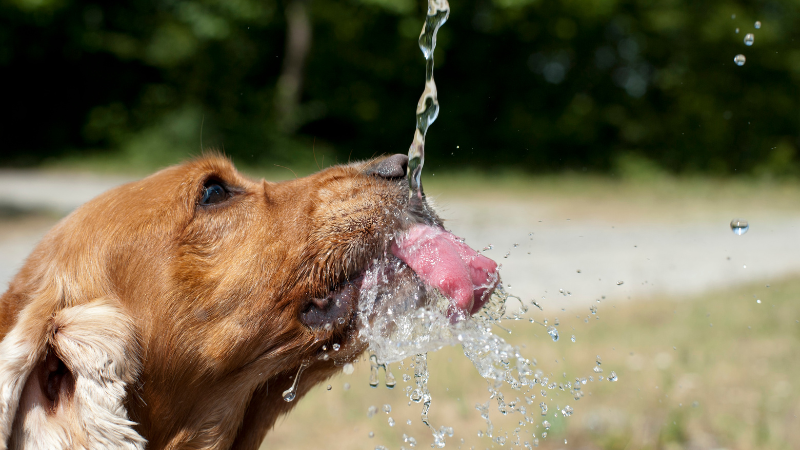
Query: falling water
[[291, 393], [428, 105], [399, 327]]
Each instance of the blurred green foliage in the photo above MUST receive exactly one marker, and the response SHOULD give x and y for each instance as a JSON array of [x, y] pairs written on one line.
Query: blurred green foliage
[[631, 87]]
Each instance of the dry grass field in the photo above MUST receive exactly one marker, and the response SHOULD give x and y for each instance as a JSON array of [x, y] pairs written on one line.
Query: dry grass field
[[716, 371]]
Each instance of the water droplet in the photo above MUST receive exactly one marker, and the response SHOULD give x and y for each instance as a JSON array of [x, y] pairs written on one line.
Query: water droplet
[[387, 408], [737, 31], [573, 338], [593, 309], [346, 386], [758, 24], [373, 370], [748, 39], [372, 410], [612, 377], [348, 369], [546, 425], [329, 387], [371, 434], [390, 382], [739, 226], [391, 422], [758, 301], [336, 347], [553, 332], [289, 394], [567, 411], [620, 283], [739, 59]]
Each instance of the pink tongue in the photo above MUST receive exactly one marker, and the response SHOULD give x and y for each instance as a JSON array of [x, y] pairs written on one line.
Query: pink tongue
[[444, 262]]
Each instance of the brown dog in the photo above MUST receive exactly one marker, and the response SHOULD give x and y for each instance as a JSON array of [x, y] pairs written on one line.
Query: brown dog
[[174, 311]]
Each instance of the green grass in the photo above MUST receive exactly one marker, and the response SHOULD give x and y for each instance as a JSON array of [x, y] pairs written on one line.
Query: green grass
[[717, 370]]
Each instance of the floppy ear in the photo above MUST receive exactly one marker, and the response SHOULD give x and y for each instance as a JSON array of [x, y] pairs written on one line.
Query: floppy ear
[[63, 379]]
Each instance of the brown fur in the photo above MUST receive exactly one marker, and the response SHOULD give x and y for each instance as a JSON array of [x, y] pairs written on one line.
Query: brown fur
[[214, 293]]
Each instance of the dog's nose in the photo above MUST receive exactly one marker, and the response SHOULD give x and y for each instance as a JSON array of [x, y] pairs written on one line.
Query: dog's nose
[[394, 166]]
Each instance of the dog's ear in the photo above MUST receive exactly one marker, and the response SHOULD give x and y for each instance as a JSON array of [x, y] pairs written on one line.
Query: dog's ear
[[63, 379]]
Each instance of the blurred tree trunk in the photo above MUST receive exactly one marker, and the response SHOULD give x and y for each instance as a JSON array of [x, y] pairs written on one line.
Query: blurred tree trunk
[[290, 82]]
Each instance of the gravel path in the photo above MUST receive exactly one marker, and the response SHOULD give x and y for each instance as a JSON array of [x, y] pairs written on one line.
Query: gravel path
[[585, 256], [621, 260]]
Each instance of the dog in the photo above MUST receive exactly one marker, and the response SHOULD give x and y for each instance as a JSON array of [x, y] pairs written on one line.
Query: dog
[[174, 312]]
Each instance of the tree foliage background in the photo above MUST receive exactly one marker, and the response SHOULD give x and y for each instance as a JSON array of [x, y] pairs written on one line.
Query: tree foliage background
[[537, 85]]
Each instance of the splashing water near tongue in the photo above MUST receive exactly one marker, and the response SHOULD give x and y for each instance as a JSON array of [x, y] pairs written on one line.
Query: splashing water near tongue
[[428, 105]]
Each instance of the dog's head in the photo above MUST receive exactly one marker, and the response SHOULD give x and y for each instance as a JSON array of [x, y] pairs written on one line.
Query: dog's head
[[207, 291]]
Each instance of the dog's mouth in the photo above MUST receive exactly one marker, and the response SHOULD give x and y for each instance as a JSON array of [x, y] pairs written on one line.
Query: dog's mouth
[[335, 310], [418, 258], [446, 263]]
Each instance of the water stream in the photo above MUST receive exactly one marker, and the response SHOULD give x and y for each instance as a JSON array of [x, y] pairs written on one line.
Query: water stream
[[428, 105]]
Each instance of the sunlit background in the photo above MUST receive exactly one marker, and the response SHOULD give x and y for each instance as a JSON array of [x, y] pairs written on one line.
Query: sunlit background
[[598, 149]]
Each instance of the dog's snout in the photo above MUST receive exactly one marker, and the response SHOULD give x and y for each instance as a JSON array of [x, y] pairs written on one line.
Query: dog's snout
[[393, 167]]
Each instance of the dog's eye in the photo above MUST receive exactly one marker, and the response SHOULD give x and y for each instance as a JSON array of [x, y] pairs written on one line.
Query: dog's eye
[[213, 193]]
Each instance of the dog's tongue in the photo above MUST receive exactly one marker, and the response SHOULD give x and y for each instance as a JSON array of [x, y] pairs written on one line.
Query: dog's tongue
[[443, 261]]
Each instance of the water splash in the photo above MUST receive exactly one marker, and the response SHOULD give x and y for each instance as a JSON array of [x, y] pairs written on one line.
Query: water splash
[[428, 105], [398, 323], [290, 394]]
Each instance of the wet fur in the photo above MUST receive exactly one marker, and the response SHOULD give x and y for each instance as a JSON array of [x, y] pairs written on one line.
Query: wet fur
[[154, 321]]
